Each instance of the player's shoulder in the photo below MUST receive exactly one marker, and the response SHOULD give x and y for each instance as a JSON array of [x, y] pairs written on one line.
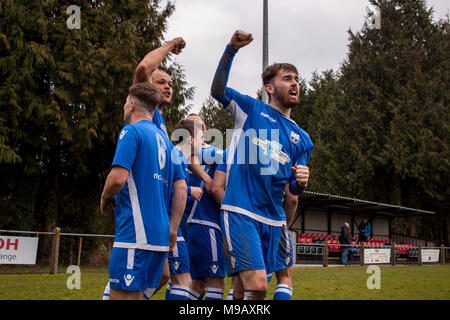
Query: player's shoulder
[[241, 97], [129, 129]]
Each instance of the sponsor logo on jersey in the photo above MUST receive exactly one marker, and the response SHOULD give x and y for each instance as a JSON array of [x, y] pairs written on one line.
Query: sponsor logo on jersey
[[122, 133], [272, 149], [295, 138], [265, 115]]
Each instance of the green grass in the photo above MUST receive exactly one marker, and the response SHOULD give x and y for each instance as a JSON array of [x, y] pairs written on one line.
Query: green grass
[[333, 283]]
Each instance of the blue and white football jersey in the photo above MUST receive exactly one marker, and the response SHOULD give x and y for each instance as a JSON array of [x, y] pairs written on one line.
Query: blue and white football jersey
[[180, 161], [141, 218], [206, 212], [264, 147], [158, 120]]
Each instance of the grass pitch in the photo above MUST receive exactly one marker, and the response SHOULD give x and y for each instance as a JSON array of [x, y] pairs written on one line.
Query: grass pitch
[[310, 283]]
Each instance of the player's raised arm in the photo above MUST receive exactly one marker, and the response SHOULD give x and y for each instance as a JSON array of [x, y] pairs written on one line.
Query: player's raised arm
[[238, 40], [153, 59]]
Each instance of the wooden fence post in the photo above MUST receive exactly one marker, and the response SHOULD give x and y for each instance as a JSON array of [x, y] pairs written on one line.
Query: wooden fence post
[[419, 256], [55, 252], [443, 257], [393, 257], [79, 251], [325, 254], [361, 255]]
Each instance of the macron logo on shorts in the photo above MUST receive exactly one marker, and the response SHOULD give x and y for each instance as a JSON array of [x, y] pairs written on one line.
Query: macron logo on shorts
[[176, 264], [128, 279], [214, 268]]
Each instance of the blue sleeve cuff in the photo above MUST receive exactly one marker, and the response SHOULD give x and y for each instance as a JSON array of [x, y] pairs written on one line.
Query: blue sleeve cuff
[[188, 190], [295, 189], [231, 50]]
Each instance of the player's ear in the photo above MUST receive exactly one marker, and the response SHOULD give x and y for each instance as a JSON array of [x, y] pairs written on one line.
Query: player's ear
[[132, 105], [269, 89], [191, 139]]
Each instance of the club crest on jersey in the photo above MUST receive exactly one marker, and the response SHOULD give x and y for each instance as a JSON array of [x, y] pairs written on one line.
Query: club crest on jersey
[[272, 149], [161, 151], [295, 138]]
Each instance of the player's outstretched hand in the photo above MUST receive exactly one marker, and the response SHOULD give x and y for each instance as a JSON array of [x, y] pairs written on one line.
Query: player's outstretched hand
[[196, 193], [301, 175], [178, 45], [107, 207], [240, 39]]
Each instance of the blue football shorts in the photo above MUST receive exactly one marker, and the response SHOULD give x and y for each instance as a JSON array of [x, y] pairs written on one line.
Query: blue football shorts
[[206, 255], [135, 269], [249, 244], [285, 253], [179, 257]]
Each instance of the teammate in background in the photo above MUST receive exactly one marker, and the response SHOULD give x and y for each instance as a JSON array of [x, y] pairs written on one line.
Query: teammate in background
[[147, 71], [268, 151], [194, 180], [285, 256], [218, 190], [190, 142], [205, 243], [135, 192]]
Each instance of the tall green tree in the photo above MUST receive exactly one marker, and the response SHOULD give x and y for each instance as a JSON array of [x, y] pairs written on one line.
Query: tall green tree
[[389, 113]]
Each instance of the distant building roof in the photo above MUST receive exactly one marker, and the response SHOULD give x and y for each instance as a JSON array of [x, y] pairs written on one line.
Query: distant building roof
[[308, 200]]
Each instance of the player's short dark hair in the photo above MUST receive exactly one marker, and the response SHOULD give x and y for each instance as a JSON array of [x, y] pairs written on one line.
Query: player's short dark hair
[[147, 96], [190, 126], [272, 70]]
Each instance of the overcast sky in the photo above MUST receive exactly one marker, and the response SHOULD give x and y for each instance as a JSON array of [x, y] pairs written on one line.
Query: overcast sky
[[311, 34]]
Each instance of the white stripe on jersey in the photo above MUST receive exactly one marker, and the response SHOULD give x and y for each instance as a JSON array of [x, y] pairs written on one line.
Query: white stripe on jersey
[[128, 245], [139, 229], [239, 120], [252, 215]]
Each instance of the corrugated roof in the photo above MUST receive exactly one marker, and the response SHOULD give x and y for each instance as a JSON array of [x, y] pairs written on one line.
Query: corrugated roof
[[311, 199]]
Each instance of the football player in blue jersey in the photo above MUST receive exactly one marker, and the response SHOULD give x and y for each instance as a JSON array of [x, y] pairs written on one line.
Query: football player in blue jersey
[[205, 237], [268, 151], [190, 140], [135, 192], [147, 71]]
